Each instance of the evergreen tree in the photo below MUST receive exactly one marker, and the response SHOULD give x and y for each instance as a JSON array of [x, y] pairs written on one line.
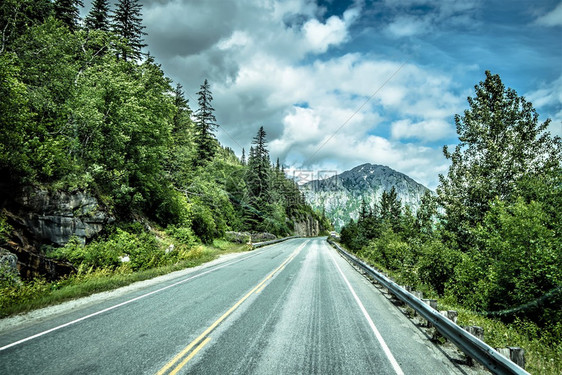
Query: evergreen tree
[[501, 143], [67, 11], [127, 23], [98, 17], [243, 158], [183, 112], [426, 214], [205, 126], [258, 174], [391, 208]]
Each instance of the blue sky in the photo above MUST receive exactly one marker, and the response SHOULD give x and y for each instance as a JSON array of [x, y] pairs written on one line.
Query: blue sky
[[341, 83]]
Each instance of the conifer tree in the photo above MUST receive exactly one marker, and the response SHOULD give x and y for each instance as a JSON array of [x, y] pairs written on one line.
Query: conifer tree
[[98, 17], [205, 124], [243, 158], [183, 112], [67, 11], [258, 174], [127, 23]]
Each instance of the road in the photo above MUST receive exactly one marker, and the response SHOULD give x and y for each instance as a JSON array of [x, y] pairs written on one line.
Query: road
[[295, 307]]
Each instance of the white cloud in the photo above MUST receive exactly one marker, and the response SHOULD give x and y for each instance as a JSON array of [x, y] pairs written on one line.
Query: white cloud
[[431, 130], [405, 26], [548, 101], [321, 36], [407, 20], [552, 18]]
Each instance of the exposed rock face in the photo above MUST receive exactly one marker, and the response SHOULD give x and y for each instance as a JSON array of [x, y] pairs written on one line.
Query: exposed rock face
[[41, 217], [307, 228], [341, 196], [57, 216]]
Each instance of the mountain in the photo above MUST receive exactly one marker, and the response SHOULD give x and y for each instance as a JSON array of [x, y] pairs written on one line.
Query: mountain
[[341, 195]]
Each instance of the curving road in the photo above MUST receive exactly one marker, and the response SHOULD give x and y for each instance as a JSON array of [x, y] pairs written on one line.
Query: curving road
[[292, 308]]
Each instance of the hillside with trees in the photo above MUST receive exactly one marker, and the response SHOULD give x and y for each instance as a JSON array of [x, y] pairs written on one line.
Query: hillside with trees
[[491, 240], [87, 116]]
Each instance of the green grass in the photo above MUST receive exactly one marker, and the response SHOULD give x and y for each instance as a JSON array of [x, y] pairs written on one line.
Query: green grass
[[543, 349], [38, 293]]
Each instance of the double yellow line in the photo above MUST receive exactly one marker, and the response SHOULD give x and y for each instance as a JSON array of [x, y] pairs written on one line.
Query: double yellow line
[[203, 339]]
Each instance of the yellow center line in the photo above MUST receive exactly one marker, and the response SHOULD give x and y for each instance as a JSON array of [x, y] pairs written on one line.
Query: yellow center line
[[219, 320], [191, 355]]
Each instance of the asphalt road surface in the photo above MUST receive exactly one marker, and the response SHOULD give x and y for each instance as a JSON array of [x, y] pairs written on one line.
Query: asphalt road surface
[[295, 307]]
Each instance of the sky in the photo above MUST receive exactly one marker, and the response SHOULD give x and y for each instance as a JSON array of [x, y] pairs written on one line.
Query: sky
[[337, 83]]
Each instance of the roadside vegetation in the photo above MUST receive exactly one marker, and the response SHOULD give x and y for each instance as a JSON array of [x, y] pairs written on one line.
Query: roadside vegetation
[[489, 243], [99, 268]]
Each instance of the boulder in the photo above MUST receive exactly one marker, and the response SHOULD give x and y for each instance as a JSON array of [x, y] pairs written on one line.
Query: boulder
[[238, 237], [262, 237]]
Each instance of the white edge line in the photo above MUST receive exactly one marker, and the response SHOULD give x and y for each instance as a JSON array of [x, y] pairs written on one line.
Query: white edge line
[[122, 304], [381, 341]]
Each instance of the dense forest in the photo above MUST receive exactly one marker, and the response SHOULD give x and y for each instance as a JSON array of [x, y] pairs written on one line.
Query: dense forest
[[490, 240], [84, 108]]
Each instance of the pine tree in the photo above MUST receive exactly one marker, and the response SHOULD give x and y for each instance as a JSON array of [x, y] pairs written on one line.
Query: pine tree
[[98, 17], [67, 11], [127, 23], [501, 144], [258, 174], [182, 115], [243, 158], [391, 208], [205, 126]]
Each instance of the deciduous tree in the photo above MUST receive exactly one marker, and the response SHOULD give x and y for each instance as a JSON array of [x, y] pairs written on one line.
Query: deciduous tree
[[501, 143]]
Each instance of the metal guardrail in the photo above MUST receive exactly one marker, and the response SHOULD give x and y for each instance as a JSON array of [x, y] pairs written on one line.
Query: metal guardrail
[[469, 344], [265, 243]]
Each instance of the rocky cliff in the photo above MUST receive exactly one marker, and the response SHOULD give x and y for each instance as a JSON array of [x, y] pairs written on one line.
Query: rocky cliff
[[341, 195], [39, 216], [309, 227]]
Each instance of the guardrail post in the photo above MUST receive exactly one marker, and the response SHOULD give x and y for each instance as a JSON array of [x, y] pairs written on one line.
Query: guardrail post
[[477, 332], [431, 302], [515, 354], [450, 314]]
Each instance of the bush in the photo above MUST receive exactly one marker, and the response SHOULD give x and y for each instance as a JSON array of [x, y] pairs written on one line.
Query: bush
[[183, 234], [142, 249], [437, 265], [516, 268], [203, 224]]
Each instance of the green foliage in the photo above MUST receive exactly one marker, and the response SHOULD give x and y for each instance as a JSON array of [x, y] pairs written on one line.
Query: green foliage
[[436, 265], [501, 143], [518, 263], [203, 224], [5, 228], [81, 111]]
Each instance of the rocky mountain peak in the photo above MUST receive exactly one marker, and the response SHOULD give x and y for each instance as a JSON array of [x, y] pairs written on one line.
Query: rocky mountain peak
[[341, 195]]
